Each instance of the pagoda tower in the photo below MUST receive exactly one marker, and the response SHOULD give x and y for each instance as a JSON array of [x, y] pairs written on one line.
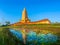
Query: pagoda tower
[[25, 20], [24, 17]]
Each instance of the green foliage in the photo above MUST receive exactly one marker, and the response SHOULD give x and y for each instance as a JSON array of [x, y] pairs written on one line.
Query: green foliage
[[7, 38], [7, 23]]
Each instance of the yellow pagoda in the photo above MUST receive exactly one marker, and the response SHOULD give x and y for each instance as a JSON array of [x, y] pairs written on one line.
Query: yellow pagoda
[[26, 20]]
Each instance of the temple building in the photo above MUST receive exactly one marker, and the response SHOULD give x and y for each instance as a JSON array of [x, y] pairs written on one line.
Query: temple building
[[26, 20]]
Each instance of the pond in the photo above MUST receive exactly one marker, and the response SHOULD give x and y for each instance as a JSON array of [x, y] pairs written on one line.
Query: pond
[[34, 38]]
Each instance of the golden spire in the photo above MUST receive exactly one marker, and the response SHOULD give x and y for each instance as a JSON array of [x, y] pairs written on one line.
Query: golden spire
[[24, 16]]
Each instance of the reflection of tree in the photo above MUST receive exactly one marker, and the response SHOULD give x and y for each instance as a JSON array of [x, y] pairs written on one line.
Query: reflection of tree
[[41, 39], [47, 38], [31, 38]]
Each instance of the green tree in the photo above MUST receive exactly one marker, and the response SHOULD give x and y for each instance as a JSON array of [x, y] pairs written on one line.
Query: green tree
[[7, 23]]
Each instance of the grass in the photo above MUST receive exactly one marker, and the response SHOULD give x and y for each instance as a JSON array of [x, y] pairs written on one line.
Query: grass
[[51, 27]]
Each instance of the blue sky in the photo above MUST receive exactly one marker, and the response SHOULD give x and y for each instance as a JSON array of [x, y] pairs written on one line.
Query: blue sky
[[11, 10]]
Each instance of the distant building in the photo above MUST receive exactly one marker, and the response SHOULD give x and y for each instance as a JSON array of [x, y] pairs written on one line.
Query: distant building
[[26, 20]]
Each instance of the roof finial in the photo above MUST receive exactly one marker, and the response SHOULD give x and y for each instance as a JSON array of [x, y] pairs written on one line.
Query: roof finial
[[24, 8]]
